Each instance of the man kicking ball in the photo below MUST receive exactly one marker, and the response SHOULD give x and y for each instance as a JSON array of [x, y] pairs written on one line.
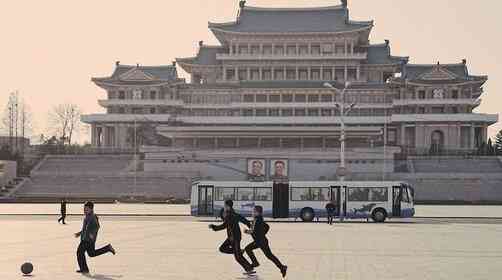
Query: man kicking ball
[[258, 231], [88, 236], [232, 244]]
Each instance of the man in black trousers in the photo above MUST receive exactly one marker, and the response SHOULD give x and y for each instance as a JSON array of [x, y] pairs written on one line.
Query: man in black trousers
[[88, 236], [232, 245], [330, 211], [63, 212], [258, 231]]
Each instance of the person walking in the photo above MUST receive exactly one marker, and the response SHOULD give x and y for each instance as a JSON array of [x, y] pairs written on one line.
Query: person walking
[[63, 212], [330, 210], [232, 245], [88, 236], [258, 231]]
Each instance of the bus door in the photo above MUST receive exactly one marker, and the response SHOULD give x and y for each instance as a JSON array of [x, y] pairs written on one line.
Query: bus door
[[396, 201], [205, 205], [280, 202], [336, 199]]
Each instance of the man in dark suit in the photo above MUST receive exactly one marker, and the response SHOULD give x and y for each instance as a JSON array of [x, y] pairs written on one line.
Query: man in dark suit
[[258, 231], [330, 211], [232, 245], [63, 212], [88, 236]]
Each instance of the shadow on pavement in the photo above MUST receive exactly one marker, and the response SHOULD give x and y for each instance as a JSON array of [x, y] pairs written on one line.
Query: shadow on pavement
[[102, 277]]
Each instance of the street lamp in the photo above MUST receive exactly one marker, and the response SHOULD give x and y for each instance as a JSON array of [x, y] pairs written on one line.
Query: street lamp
[[344, 111]]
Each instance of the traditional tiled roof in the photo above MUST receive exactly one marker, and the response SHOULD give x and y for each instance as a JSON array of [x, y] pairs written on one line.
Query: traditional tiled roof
[[380, 54], [130, 74], [438, 73], [292, 20], [205, 56]]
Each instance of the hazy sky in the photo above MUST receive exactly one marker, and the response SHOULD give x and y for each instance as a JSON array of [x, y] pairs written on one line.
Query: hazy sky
[[51, 49]]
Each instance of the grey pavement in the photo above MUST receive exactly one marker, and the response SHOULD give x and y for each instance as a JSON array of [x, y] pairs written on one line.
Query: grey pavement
[[184, 248]]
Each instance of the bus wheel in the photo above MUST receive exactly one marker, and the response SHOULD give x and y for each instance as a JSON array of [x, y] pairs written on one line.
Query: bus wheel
[[379, 215], [307, 214]]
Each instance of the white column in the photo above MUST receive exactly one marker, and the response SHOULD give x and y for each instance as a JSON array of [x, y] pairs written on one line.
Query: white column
[[93, 135], [236, 73], [346, 47], [473, 142], [351, 47], [309, 75], [297, 75], [321, 74], [273, 73], [358, 73], [249, 74], [261, 73], [346, 73], [224, 73], [333, 73]]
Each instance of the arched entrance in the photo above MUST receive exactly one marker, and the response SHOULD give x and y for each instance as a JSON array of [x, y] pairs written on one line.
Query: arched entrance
[[437, 142]]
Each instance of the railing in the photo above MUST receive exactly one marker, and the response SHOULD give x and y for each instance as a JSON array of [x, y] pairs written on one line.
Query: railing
[[460, 101], [225, 56]]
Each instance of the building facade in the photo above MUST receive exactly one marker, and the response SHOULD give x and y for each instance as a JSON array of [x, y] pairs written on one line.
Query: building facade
[[263, 87]]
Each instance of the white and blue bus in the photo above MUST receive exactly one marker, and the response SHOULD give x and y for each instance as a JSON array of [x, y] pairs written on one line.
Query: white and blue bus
[[306, 200]]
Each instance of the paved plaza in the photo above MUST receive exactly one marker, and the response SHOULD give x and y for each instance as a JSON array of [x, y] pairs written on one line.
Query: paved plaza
[[151, 248]]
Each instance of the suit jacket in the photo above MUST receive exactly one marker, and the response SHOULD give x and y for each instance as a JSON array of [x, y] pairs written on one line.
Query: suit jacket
[[259, 229], [90, 228], [63, 207], [231, 223]]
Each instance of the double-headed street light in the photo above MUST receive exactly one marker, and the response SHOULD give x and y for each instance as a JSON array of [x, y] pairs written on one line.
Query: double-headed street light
[[344, 111]]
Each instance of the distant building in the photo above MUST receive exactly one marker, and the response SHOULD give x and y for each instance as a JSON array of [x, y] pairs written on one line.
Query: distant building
[[262, 87]]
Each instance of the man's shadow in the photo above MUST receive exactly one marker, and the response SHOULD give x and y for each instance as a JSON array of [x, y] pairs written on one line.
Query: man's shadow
[[251, 277], [102, 277]]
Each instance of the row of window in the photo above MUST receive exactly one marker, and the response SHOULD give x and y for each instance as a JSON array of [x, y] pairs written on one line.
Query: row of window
[[280, 98], [294, 49], [290, 74], [139, 95], [302, 194]]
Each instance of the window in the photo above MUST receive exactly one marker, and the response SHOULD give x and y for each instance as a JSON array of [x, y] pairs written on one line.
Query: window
[[261, 112], [224, 194], [275, 98], [313, 98], [121, 94], [243, 74], [454, 94], [358, 194], [261, 98], [287, 98], [267, 75], [247, 112], [152, 110], [300, 98], [313, 112], [287, 112], [279, 75], [327, 98], [121, 110], [326, 112], [315, 49], [245, 194], [378, 194], [291, 50], [300, 112], [279, 50], [274, 112], [310, 194], [300, 194], [404, 195], [263, 194], [290, 74], [153, 94], [248, 98], [421, 94]]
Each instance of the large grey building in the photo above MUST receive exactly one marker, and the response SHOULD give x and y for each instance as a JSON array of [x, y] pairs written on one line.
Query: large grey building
[[262, 88]]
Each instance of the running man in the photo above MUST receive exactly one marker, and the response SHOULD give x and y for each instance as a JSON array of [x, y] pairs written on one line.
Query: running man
[[88, 236], [258, 231], [232, 245]]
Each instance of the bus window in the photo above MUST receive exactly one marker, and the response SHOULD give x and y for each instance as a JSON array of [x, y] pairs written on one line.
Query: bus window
[[300, 194], [358, 194], [378, 194], [245, 194], [263, 194], [404, 195], [224, 194]]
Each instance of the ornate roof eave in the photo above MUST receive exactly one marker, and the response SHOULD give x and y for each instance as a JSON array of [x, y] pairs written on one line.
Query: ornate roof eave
[[217, 31], [189, 67], [294, 9], [116, 83], [401, 81]]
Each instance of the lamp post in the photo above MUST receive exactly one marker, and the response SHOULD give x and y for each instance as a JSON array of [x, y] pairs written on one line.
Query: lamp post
[[344, 111]]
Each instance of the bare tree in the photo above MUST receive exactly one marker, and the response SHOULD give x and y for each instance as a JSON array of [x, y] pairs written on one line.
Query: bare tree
[[17, 121], [65, 121]]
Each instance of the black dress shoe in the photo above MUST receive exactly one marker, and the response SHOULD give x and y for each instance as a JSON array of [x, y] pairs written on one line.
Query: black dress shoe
[[83, 271], [284, 269]]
